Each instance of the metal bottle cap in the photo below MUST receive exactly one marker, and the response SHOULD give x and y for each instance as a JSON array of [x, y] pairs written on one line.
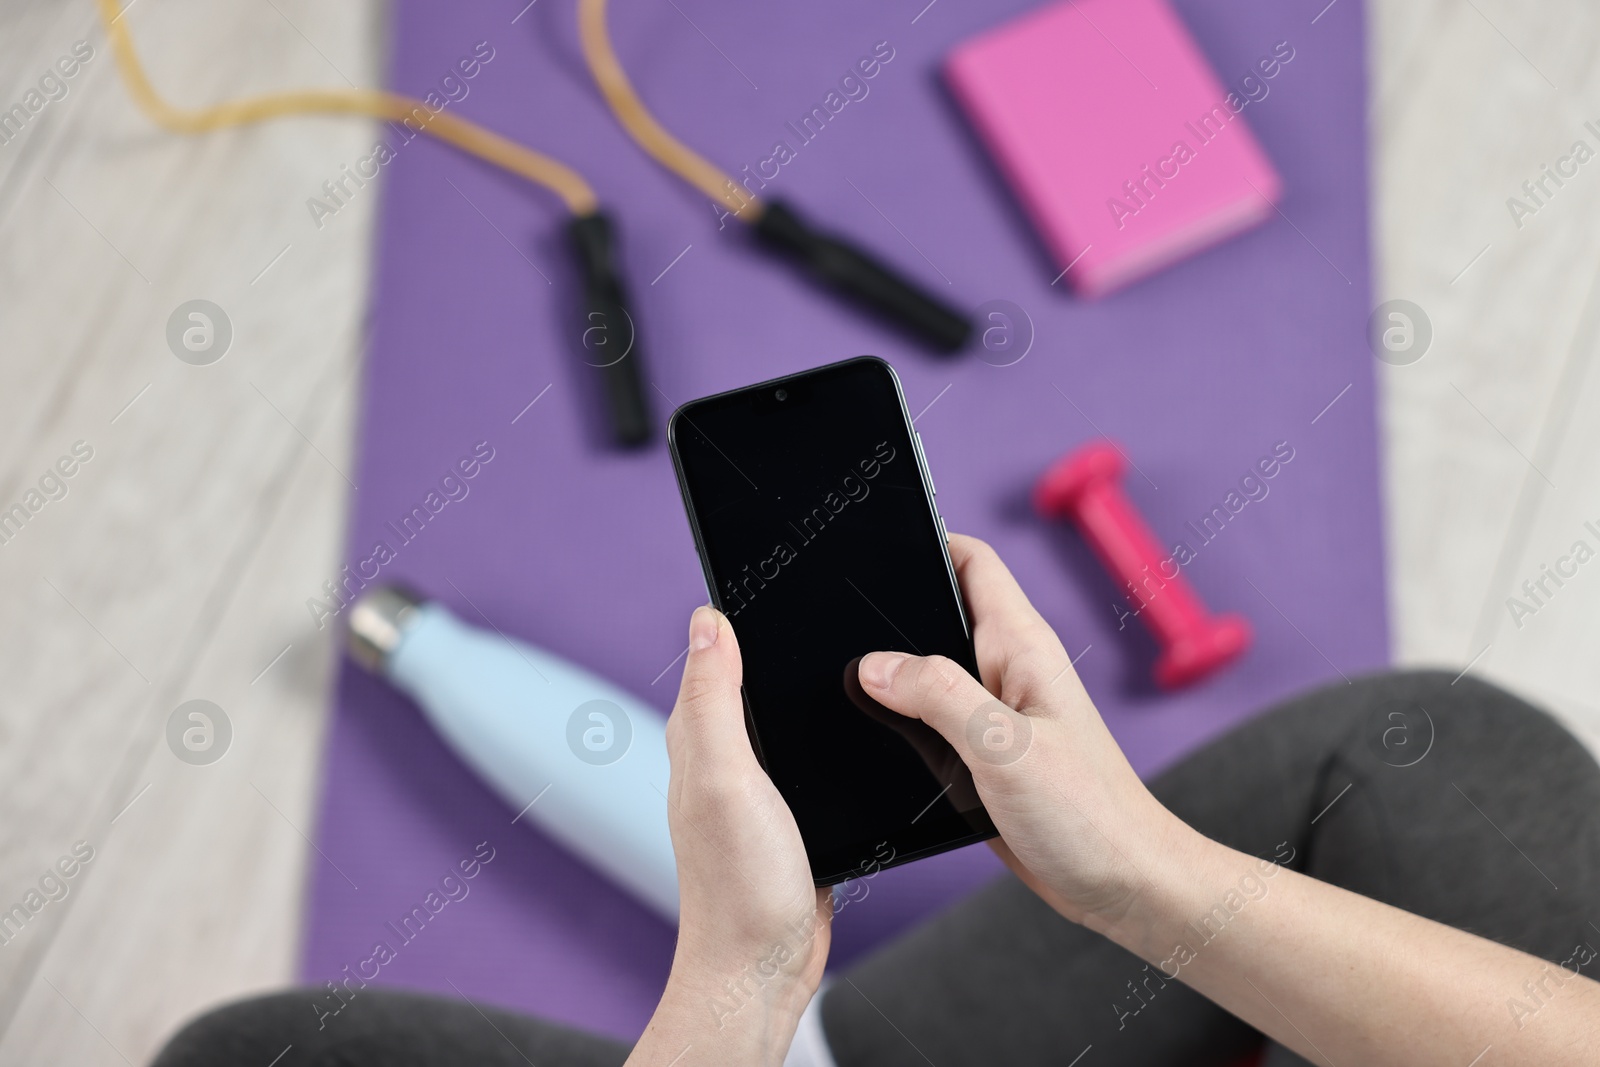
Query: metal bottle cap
[[377, 621]]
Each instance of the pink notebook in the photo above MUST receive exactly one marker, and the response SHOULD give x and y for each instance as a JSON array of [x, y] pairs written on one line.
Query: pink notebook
[[1126, 150]]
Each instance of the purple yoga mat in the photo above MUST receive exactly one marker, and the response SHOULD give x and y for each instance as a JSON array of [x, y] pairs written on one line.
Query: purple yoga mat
[[1198, 372]]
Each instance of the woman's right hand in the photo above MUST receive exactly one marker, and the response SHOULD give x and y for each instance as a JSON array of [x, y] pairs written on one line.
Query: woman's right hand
[[1076, 823], [1352, 980]]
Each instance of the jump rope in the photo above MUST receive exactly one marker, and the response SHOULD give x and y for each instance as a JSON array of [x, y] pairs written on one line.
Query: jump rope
[[827, 259]]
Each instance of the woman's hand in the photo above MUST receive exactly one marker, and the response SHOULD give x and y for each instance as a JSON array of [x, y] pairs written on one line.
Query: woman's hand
[[753, 931], [1351, 980], [1076, 824]]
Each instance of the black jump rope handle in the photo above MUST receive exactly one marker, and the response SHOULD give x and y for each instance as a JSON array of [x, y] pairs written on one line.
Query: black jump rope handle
[[609, 340], [852, 272]]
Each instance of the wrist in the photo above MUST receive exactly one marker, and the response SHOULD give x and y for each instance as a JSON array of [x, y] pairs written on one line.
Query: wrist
[[725, 1010], [1126, 875], [767, 963], [1189, 888], [769, 984], [1155, 876], [735, 1000]]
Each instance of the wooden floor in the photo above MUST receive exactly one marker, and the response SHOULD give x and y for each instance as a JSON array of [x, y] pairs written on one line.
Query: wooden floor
[[1492, 440], [177, 564]]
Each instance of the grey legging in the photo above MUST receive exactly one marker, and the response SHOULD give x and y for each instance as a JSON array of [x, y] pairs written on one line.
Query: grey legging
[[1455, 801]]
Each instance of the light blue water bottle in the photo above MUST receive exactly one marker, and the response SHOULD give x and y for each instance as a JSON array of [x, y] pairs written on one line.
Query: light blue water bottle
[[579, 757]]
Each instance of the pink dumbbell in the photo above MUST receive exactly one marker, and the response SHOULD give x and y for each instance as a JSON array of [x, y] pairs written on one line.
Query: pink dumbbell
[[1086, 485]]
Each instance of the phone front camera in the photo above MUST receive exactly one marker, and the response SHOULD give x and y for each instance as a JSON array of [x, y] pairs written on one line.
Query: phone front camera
[[782, 394]]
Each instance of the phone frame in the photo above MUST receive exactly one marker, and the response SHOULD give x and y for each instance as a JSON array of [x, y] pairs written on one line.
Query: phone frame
[[831, 870]]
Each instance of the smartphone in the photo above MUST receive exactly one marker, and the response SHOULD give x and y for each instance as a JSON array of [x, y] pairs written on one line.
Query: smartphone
[[814, 515]]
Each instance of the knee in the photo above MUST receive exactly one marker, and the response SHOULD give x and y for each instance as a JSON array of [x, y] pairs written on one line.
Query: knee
[[1464, 699], [1440, 691], [247, 1031], [1406, 718], [1407, 715]]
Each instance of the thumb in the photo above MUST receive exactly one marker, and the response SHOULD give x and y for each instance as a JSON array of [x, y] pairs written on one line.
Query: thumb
[[938, 691], [709, 714]]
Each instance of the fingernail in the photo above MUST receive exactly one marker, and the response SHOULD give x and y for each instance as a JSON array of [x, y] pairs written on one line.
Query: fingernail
[[703, 628], [878, 669]]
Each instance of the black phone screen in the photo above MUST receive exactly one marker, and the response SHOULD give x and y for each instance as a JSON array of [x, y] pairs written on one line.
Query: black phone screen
[[817, 529]]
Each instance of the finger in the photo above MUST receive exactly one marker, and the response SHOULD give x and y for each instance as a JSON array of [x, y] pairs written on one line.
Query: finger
[[1017, 650], [987, 583], [947, 698], [709, 714]]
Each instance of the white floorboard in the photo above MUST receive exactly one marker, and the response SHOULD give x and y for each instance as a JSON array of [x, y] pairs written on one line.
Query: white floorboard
[[177, 564], [1489, 439]]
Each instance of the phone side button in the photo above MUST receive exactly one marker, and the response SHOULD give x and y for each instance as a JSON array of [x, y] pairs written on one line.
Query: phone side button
[[927, 471], [942, 528]]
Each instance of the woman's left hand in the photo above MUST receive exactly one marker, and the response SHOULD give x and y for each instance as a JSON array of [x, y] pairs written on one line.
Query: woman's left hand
[[753, 931]]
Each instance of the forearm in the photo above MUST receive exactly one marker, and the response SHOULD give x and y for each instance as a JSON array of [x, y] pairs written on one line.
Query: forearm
[[1341, 978]]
